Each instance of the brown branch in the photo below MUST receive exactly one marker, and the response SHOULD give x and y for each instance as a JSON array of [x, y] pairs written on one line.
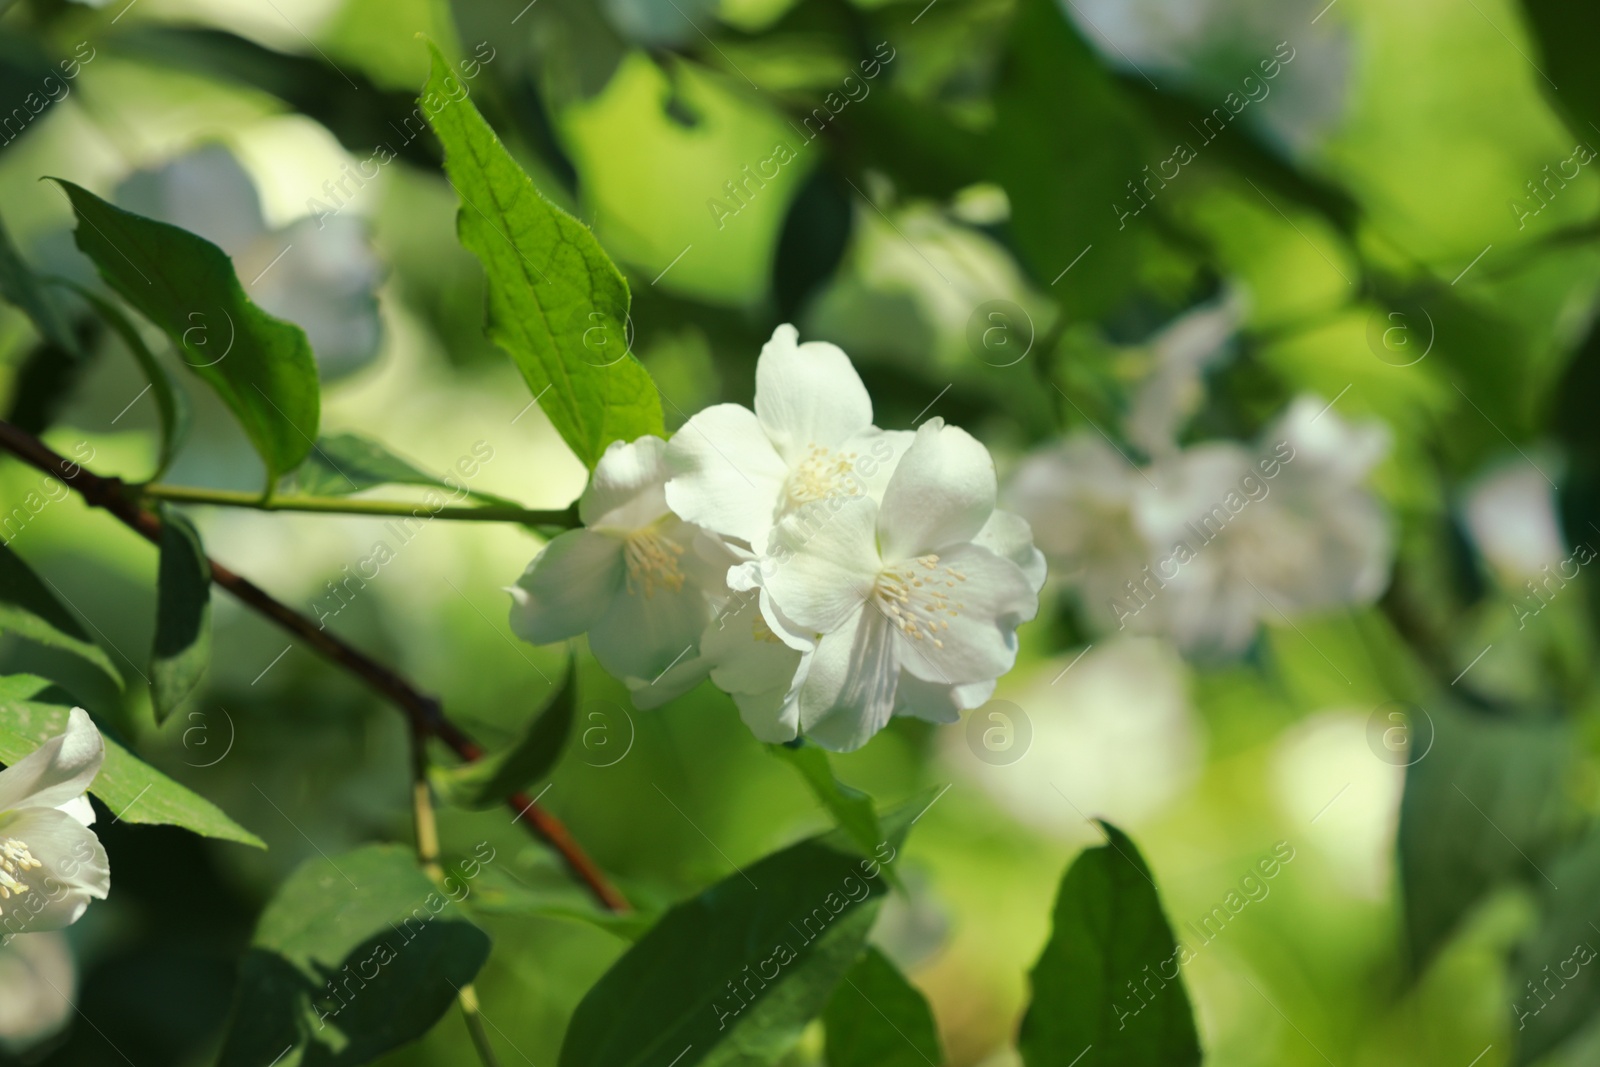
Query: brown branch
[[424, 713]]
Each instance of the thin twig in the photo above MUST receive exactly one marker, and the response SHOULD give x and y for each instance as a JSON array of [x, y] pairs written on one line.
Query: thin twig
[[424, 712]]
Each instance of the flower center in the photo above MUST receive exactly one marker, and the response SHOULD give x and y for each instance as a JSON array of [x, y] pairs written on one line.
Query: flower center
[[652, 561], [915, 595], [820, 475], [762, 632], [15, 863]]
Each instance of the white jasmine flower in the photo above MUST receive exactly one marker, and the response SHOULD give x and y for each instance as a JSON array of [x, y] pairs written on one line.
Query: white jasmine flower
[[51, 863], [811, 437], [910, 613], [1511, 515], [637, 578], [320, 274], [37, 978]]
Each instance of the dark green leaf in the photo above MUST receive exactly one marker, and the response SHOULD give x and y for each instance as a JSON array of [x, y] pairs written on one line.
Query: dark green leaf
[[31, 611], [1065, 145], [1555, 989], [1481, 809], [32, 712], [261, 367], [183, 615], [488, 781], [356, 955], [557, 304], [878, 1019], [1109, 935], [345, 463], [733, 975], [1564, 32], [53, 368], [850, 808], [19, 286], [171, 402]]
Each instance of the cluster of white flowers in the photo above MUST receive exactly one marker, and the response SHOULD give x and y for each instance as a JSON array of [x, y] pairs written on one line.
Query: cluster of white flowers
[[1203, 543], [825, 573]]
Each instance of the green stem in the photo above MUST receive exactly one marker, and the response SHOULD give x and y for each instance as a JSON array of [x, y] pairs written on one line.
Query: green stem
[[336, 505]]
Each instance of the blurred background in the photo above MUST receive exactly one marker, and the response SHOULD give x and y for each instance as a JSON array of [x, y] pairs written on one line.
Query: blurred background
[[1144, 251]]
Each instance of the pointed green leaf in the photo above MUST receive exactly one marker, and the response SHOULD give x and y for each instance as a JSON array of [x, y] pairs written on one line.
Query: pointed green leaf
[[31, 611], [488, 781], [733, 975], [32, 711], [345, 463], [261, 367], [356, 955], [183, 615], [20, 286], [1109, 937], [878, 1019], [557, 304]]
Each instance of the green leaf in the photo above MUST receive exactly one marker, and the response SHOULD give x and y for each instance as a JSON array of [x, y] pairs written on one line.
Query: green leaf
[[1108, 934], [20, 286], [557, 304], [1555, 988], [32, 711], [183, 615], [488, 781], [355, 956], [261, 367], [171, 403], [733, 975], [850, 808], [1481, 809], [1562, 31], [878, 1019], [345, 463], [31, 611]]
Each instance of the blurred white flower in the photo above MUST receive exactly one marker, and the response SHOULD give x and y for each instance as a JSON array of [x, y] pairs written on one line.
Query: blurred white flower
[[320, 275], [51, 863], [638, 579], [37, 978], [1511, 515], [1206, 543], [811, 437], [1114, 732], [1181, 355], [911, 613]]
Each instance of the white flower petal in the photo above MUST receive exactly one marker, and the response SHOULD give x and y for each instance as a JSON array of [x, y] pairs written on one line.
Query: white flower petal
[[747, 655], [677, 680], [73, 870], [936, 703], [773, 716], [627, 491], [640, 636], [849, 691], [57, 772], [941, 494], [808, 394], [726, 476], [1009, 536], [976, 638], [823, 562], [567, 587]]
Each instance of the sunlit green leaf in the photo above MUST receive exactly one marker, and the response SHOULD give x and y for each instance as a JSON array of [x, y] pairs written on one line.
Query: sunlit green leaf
[[557, 303], [1109, 936], [30, 610], [371, 914], [32, 711], [878, 1019], [261, 367]]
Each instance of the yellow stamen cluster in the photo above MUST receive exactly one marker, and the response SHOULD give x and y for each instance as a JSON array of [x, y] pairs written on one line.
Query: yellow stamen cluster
[[652, 561], [915, 596], [822, 474], [15, 863], [762, 632]]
